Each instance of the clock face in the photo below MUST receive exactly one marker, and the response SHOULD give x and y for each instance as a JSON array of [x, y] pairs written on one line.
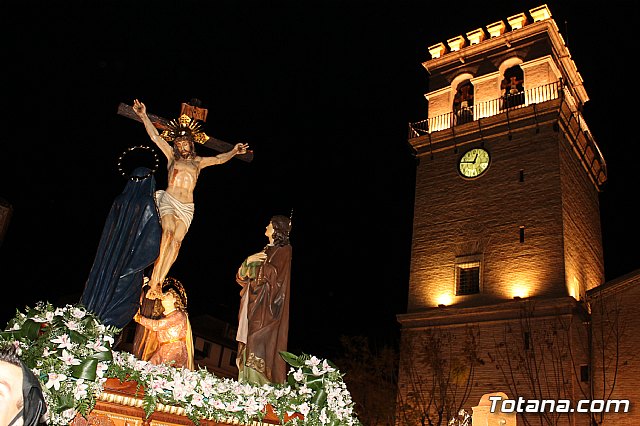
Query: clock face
[[474, 163]]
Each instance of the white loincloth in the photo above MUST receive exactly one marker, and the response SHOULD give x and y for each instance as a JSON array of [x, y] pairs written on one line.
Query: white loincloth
[[168, 204]]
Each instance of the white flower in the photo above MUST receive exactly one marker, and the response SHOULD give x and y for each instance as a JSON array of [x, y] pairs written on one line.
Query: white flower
[[298, 375], [78, 313], [97, 346], [233, 407], [206, 388], [72, 325], [324, 419], [18, 349], [313, 361], [218, 404], [159, 383], [140, 365], [68, 415], [197, 400], [326, 367], [304, 409], [304, 390], [180, 391], [334, 393], [63, 341], [80, 390], [252, 406], [108, 339], [68, 358], [55, 380], [101, 369], [247, 389]]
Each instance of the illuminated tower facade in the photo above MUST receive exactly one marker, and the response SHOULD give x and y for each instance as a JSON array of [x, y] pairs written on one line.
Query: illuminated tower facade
[[506, 212]]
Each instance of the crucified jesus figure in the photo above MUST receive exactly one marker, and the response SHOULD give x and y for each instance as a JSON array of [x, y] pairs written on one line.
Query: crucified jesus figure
[[176, 202]]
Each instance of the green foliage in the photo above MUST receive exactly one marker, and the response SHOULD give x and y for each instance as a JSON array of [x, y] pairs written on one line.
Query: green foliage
[[320, 384]]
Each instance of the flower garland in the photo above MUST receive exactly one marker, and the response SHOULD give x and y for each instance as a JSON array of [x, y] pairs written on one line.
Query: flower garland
[[69, 349]]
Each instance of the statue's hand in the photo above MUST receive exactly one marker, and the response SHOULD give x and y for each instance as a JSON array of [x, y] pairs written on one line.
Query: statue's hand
[[139, 108], [153, 293], [258, 257], [241, 148]]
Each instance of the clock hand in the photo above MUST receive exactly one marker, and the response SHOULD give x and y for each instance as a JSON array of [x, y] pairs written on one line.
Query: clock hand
[[472, 161]]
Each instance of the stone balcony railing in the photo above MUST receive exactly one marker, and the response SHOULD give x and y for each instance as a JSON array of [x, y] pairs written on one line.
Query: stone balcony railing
[[486, 109]]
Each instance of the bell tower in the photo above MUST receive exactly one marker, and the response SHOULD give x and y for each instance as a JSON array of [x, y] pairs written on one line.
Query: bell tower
[[507, 185], [518, 215]]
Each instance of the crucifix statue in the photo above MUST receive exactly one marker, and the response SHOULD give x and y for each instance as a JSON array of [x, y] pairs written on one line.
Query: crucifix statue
[[194, 110], [175, 204]]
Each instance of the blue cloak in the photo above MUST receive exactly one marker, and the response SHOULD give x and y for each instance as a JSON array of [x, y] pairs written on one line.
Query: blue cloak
[[130, 242]]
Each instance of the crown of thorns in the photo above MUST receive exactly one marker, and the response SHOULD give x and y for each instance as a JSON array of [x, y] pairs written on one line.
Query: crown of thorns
[[185, 126]]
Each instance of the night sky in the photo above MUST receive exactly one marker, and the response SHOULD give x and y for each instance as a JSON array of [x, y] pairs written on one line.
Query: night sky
[[321, 91]]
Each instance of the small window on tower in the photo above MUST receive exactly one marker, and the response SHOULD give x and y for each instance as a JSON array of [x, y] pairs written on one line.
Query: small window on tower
[[526, 339], [584, 373], [468, 277]]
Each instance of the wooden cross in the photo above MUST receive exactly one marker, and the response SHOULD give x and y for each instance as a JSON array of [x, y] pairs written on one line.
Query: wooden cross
[[193, 111]]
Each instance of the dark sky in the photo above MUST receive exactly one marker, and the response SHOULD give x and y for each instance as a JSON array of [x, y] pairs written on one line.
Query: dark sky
[[322, 92]]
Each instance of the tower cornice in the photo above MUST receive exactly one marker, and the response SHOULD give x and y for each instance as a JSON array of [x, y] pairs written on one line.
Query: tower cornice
[[513, 39]]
